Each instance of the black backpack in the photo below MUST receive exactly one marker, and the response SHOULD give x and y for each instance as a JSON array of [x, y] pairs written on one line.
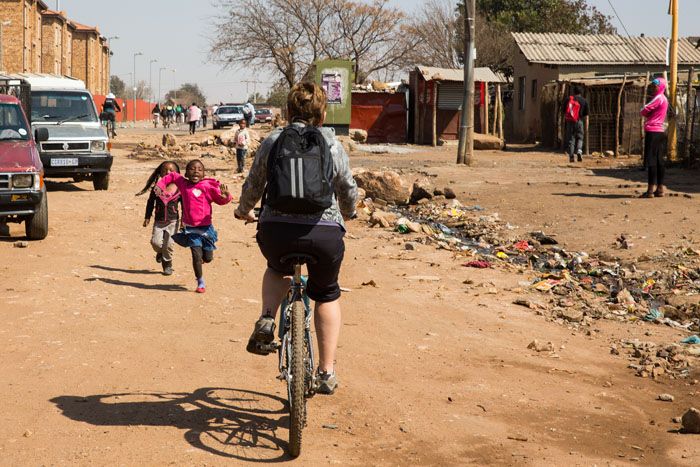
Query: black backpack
[[300, 172]]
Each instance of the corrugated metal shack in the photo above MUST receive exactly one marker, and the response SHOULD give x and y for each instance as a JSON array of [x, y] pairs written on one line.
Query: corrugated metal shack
[[614, 104], [435, 103], [544, 58], [383, 114]]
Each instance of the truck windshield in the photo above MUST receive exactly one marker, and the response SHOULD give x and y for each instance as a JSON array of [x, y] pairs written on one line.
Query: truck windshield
[[57, 106], [12, 123]]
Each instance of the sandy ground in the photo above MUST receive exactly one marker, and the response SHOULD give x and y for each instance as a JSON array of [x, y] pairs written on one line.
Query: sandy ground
[[107, 362]]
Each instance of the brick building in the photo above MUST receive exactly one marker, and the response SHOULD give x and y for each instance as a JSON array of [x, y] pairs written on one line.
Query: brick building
[[21, 39], [40, 40], [53, 47]]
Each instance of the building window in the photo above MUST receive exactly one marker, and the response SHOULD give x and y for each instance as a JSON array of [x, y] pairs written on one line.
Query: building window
[[534, 89], [521, 93]]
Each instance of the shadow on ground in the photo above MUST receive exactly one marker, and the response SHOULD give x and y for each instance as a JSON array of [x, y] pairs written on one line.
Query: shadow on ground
[[677, 179], [139, 285], [232, 423], [62, 186], [126, 271]]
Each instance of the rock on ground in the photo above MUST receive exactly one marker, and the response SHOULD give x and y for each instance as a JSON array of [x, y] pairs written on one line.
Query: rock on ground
[[386, 185], [358, 135], [169, 139], [691, 421], [487, 142], [422, 189]]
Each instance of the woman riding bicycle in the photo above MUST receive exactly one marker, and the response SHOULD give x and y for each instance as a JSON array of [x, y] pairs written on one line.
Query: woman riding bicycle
[[109, 109], [319, 234]]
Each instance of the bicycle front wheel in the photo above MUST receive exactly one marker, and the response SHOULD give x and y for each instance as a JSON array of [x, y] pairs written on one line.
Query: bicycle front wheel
[[297, 401]]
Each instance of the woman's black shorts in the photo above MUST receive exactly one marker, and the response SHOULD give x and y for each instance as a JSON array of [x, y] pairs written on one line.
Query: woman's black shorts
[[324, 242]]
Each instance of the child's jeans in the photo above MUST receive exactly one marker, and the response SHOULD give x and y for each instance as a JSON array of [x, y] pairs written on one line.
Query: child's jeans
[[162, 239], [241, 154]]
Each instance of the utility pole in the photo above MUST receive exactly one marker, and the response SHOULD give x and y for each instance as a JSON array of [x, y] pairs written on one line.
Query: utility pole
[[134, 83], [673, 88], [255, 89], [160, 76], [465, 150], [150, 77]]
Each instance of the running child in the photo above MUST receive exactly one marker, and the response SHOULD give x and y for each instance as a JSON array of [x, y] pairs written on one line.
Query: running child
[[167, 215], [242, 139], [198, 193]]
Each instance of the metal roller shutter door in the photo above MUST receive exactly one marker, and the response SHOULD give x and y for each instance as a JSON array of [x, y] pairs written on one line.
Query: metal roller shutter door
[[450, 96]]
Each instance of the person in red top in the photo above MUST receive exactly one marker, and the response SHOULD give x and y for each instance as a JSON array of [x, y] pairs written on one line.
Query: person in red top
[[198, 194], [575, 113]]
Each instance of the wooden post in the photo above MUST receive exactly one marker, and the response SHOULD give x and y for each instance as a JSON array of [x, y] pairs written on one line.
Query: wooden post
[[487, 100], [641, 119], [586, 123], [436, 87], [673, 84], [501, 112], [688, 117], [617, 120], [692, 124], [496, 109]]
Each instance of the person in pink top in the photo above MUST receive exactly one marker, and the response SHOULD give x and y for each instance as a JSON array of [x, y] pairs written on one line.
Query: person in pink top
[[195, 114], [198, 194], [655, 140]]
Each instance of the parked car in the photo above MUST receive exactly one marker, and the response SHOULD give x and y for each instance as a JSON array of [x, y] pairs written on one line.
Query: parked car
[[79, 147], [228, 115], [263, 115], [22, 191]]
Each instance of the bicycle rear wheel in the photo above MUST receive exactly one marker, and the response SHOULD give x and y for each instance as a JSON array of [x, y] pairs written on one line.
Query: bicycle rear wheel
[[297, 401]]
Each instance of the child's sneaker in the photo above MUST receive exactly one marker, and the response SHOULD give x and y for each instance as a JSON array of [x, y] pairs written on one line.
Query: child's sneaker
[[326, 383], [167, 268], [263, 334], [201, 287]]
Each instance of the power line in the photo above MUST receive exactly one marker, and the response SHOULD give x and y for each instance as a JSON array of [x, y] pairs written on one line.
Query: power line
[[639, 53]]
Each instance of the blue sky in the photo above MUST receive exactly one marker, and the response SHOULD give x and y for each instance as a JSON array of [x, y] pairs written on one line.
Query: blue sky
[[149, 26]]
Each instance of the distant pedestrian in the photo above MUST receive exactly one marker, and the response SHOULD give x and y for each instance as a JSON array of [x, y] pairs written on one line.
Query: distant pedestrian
[[655, 139], [575, 112], [194, 113], [167, 215], [198, 194], [156, 115], [249, 113], [205, 115], [242, 139]]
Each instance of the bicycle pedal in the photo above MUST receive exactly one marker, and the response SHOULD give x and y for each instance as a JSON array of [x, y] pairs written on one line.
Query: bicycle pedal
[[271, 347]]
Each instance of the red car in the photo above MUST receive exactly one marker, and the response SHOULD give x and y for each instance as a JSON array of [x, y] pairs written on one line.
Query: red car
[[22, 190], [263, 115]]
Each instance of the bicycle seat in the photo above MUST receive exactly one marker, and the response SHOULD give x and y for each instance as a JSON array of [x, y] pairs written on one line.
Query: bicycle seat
[[298, 258]]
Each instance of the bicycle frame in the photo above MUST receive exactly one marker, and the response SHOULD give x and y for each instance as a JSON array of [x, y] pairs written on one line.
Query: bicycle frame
[[297, 293]]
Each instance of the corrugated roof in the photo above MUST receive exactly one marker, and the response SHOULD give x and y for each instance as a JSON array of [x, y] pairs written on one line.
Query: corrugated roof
[[601, 49], [484, 75]]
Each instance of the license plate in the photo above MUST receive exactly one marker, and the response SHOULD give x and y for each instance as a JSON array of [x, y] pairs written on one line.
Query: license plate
[[65, 162], [19, 197]]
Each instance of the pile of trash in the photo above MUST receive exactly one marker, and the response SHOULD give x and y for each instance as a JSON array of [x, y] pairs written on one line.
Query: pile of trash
[[220, 146], [580, 288]]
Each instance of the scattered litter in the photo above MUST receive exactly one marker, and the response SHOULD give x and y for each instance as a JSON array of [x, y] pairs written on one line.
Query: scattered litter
[[477, 264], [691, 340]]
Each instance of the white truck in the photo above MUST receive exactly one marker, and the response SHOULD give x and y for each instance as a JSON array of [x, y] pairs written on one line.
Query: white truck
[[78, 146]]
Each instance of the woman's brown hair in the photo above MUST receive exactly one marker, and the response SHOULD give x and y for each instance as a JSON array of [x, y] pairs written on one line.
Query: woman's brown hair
[[307, 102]]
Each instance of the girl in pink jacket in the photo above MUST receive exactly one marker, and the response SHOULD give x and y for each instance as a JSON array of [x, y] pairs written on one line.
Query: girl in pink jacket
[[655, 140], [198, 194]]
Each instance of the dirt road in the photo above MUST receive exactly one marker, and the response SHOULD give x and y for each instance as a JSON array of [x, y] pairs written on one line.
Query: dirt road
[[107, 362]]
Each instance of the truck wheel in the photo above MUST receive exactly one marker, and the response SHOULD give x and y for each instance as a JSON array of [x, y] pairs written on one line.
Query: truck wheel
[[37, 226], [100, 181]]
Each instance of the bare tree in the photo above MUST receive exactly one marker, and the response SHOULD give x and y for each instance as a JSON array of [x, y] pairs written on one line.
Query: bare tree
[[435, 32], [373, 37], [289, 36]]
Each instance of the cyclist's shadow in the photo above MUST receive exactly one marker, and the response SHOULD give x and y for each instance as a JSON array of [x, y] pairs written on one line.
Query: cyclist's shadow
[[233, 423]]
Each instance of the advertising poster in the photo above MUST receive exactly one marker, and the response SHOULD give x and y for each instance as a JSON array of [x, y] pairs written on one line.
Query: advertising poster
[[333, 84]]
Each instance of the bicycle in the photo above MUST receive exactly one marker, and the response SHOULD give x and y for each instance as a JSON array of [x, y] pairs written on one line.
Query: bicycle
[[295, 349], [111, 133]]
